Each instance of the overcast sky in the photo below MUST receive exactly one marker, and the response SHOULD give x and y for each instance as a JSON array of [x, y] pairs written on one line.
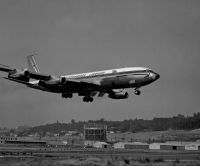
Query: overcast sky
[[90, 35]]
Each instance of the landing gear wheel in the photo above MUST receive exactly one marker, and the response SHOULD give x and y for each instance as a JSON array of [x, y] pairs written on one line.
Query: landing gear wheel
[[67, 95], [91, 99], [87, 99], [137, 92], [64, 95]]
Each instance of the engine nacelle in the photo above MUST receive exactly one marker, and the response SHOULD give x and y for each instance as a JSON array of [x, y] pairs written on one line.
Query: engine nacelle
[[119, 95], [26, 73], [63, 80], [53, 81], [42, 83], [19, 74], [49, 83]]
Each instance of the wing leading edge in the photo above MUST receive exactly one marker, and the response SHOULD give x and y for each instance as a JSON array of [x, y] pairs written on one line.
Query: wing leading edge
[[17, 80], [5, 68]]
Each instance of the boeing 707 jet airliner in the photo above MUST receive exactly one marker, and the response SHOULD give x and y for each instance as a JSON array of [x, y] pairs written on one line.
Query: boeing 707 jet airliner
[[112, 82]]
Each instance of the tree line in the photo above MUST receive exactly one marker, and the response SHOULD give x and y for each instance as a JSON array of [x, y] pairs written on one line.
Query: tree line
[[179, 122]]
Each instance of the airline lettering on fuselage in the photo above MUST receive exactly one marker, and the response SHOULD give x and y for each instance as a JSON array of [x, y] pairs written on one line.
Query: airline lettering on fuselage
[[77, 76], [86, 75], [96, 74]]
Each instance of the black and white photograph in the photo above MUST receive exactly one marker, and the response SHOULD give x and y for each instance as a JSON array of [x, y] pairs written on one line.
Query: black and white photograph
[[99, 82]]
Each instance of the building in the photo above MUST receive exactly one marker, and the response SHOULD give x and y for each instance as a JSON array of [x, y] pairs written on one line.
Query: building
[[3, 139], [131, 145], [119, 145], [170, 145], [137, 145], [155, 146], [93, 133], [99, 144], [23, 141], [193, 146]]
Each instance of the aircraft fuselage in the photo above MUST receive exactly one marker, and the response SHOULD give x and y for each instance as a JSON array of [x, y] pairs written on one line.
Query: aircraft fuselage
[[110, 79], [85, 84]]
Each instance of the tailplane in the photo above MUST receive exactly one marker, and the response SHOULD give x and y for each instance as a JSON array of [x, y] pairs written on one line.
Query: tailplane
[[32, 66]]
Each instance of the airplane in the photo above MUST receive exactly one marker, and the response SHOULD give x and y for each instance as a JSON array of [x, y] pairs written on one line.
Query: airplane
[[111, 82]]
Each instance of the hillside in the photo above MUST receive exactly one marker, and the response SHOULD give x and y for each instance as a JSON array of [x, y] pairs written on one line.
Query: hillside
[[175, 123]]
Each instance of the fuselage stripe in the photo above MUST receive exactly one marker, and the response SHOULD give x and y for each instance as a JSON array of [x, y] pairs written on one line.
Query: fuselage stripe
[[85, 76]]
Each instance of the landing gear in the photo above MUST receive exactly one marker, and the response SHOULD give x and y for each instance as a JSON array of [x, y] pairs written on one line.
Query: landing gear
[[67, 95], [87, 99], [137, 92]]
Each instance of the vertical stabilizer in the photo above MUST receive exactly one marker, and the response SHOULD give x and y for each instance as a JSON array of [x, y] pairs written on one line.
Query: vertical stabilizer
[[32, 66]]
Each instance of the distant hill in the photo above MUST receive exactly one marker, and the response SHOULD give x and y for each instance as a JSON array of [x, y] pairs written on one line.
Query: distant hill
[[178, 122], [53, 128], [196, 130]]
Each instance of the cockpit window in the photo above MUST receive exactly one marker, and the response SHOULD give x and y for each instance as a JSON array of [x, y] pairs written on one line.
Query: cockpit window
[[148, 70]]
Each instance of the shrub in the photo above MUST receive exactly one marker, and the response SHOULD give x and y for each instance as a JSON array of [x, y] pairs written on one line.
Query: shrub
[[158, 160]]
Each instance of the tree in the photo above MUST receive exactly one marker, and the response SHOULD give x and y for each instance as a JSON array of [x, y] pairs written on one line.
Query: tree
[[73, 121]]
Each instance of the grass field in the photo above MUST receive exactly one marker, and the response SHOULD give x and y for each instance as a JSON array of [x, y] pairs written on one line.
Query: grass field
[[92, 161]]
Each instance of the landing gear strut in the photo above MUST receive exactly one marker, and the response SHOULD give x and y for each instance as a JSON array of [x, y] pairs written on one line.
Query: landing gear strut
[[87, 99], [137, 92]]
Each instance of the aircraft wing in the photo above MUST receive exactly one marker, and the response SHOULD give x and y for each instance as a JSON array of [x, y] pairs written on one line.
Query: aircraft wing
[[39, 76], [84, 85], [5, 68], [17, 80], [70, 83]]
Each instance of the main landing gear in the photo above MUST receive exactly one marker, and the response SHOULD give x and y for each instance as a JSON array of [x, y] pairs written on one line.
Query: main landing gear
[[87, 99], [67, 95], [137, 92]]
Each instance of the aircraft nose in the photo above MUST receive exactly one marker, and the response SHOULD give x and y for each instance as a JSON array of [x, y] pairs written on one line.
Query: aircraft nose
[[157, 76]]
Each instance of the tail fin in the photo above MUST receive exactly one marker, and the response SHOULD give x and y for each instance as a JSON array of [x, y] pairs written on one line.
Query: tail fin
[[32, 66]]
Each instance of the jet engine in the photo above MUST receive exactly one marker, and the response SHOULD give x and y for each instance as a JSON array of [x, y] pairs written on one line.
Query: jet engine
[[22, 75], [49, 83], [63, 80], [119, 95], [42, 83]]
